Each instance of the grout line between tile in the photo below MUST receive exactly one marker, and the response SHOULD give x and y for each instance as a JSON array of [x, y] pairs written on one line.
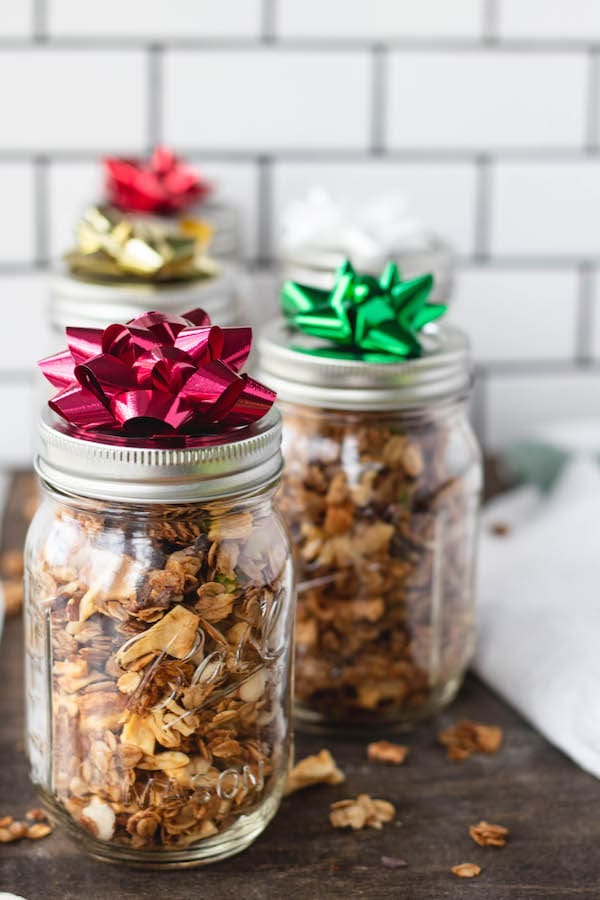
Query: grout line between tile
[[584, 315], [265, 208], [591, 137], [424, 155], [378, 99], [308, 44], [39, 21], [490, 15], [268, 25], [483, 208], [154, 89], [41, 211]]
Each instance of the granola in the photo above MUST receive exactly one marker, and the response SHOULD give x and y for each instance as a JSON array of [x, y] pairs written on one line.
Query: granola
[[11, 831], [386, 752], [382, 521], [466, 870], [170, 666], [465, 738], [320, 768], [487, 835], [364, 812]]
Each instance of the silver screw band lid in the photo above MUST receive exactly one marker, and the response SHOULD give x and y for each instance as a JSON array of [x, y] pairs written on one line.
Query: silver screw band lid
[[238, 462], [76, 302], [443, 372]]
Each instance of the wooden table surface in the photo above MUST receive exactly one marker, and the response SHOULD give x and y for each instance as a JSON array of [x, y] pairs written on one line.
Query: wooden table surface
[[551, 807]]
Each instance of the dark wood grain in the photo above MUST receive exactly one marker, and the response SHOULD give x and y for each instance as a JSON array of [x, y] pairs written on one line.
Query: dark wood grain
[[550, 806]]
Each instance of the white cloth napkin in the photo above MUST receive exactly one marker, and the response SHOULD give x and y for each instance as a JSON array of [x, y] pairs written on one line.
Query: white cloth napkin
[[539, 608]]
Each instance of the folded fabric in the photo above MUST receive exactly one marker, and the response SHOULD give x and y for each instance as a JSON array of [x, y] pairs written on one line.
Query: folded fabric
[[538, 607]]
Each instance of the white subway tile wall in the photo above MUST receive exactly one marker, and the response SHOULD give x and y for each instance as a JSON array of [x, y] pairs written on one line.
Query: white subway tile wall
[[484, 114], [16, 19], [380, 19], [264, 98]]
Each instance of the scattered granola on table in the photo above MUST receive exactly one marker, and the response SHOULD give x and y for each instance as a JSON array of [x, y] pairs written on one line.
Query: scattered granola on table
[[386, 752], [11, 831], [363, 812], [466, 738], [487, 835], [320, 768], [466, 870]]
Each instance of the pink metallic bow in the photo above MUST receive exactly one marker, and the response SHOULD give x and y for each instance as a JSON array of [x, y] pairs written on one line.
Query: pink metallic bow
[[159, 375], [163, 184]]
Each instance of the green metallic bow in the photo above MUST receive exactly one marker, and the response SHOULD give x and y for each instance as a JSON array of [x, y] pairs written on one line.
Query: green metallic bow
[[373, 318]]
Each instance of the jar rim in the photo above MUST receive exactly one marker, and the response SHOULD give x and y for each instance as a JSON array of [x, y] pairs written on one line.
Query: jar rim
[[239, 462], [286, 365]]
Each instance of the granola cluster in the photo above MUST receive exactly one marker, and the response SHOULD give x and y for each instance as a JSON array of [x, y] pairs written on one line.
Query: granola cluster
[[170, 667], [381, 509]]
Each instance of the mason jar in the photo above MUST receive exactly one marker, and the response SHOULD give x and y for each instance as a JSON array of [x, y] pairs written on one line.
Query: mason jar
[[159, 610], [380, 492]]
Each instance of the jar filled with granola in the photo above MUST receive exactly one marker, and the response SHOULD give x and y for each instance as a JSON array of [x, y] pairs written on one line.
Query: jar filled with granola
[[380, 492], [159, 609]]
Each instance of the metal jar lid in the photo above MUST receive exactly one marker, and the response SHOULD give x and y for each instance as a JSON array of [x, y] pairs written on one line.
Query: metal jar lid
[[316, 266], [84, 303], [244, 461], [443, 372]]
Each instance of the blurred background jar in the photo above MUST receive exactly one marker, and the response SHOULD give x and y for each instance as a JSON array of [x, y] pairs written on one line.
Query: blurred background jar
[[158, 623], [380, 492], [123, 265], [317, 235]]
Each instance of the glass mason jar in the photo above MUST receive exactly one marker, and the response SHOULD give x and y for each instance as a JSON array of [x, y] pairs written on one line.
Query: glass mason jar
[[380, 492], [159, 609]]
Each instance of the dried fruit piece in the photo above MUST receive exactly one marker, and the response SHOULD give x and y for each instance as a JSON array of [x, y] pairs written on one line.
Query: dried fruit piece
[[466, 737], [99, 818], [487, 835], [466, 870], [38, 831], [36, 815], [386, 752], [363, 812], [174, 634], [320, 768]]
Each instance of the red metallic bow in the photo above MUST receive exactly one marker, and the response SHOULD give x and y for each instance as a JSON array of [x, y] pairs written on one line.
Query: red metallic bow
[[163, 184], [158, 375]]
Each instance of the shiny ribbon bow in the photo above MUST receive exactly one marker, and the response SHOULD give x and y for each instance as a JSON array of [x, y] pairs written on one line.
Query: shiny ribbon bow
[[111, 246], [158, 375], [375, 319], [162, 184]]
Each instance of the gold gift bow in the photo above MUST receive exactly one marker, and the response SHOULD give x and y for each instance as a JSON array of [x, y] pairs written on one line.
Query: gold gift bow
[[111, 246]]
